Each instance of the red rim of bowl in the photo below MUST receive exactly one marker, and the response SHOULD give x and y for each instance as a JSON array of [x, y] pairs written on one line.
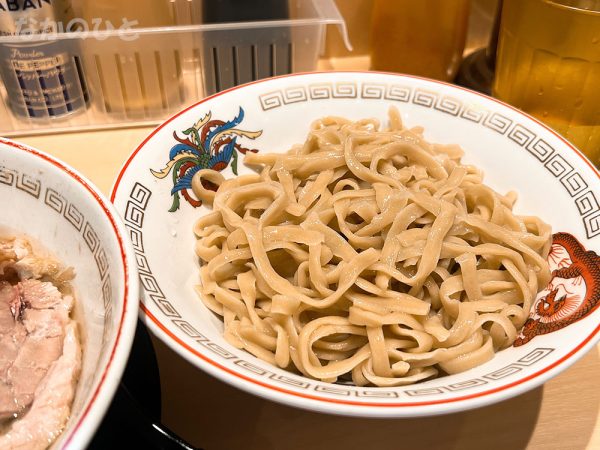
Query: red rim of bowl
[[176, 340], [74, 175]]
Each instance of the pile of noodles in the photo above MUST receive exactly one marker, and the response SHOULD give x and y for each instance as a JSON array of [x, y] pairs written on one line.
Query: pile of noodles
[[367, 255]]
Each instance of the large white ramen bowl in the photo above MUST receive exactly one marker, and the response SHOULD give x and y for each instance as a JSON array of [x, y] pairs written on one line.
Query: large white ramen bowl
[[50, 202], [553, 180]]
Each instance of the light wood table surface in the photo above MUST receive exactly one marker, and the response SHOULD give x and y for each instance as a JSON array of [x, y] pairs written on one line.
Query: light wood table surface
[[561, 415]]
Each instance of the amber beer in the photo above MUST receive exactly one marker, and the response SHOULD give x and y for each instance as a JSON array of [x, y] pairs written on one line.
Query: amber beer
[[419, 37], [549, 66]]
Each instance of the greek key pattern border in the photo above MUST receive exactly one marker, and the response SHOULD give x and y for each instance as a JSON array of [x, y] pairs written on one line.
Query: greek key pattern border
[[68, 211], [134, 218], [572, 181]]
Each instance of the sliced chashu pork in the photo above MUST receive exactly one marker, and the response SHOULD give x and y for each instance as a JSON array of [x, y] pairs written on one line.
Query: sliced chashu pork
[[51, 407], [40, 354], [34, 341]]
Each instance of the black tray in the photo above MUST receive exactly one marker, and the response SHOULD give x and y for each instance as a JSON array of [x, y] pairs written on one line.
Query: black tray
[[133, 418]]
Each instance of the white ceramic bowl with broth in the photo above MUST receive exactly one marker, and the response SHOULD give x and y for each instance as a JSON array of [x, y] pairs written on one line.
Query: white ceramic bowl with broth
[[553, 181], [49, 202]]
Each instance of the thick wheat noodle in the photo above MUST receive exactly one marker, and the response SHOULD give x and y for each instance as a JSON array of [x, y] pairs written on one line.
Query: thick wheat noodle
[[369, 256]]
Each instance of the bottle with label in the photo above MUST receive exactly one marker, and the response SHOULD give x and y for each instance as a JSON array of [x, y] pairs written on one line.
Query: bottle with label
[[43, 78]]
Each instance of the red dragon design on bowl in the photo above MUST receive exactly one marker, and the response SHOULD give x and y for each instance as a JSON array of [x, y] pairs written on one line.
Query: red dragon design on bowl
[[573, 292]]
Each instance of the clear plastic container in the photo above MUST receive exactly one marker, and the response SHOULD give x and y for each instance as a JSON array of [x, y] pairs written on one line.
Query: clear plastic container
[[140, 76]]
